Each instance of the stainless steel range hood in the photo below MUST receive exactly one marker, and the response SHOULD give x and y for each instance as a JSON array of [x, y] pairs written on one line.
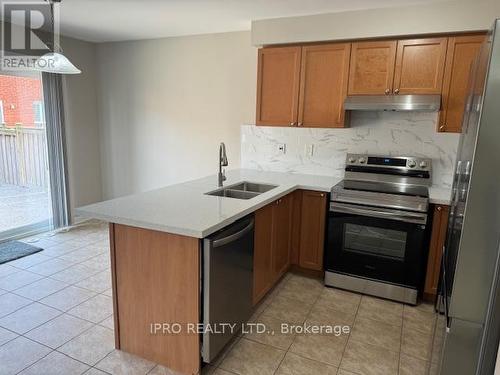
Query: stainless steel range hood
[[420, 103]]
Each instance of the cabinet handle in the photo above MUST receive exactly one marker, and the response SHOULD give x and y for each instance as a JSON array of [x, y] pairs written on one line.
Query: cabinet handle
[[292, 124], [439, 208], [442, 127], [396, 91], [300, 124], [322, 195], [387, 91]]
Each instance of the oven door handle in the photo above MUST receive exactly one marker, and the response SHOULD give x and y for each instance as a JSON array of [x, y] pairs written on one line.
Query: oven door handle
[[408, 217]]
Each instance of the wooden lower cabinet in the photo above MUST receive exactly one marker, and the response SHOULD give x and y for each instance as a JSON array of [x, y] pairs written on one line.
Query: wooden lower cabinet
[[312, 230], [273, 228], [438, 238], [282, 228]]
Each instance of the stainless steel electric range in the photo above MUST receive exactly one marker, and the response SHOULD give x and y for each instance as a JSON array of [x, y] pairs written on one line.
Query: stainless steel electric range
[[377, 237]]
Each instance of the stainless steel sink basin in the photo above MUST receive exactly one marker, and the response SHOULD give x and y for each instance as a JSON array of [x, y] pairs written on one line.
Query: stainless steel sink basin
[[242, 190]]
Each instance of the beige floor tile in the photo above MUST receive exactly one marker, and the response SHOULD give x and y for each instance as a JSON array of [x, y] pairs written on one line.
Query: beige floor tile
[[58, 249], [412, 366], [434, 369], [59, 330], [382, 310], [251, 358], [415, 318], [68, 298], [51, 266], [30, 260], [220, 371], [340, 300], [299, 291], [94, 371], [98, 263], [273, 336], [6, 270], [28, 317], [97, 283], [121, 363], [324, 313], [344, 372], [82, 254], [426, 307], [367, 359], [416, 343], [6, 336], [109, 323], [322, 348], [40, 289], [91, 346], [96, 309], [56, 364], [10, 302], [377, 333], [74, 274], [18, 280], [296, 365], [19, 354], [287, 310], [162, 370]]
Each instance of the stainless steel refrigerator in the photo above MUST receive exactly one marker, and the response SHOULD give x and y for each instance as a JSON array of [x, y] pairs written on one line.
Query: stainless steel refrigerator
[[470, 280]]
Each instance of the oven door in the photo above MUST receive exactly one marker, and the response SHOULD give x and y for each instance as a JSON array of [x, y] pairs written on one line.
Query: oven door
[[376, 243]]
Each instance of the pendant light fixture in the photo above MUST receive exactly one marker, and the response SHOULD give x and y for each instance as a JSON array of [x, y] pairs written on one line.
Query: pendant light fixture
[[55, 61]]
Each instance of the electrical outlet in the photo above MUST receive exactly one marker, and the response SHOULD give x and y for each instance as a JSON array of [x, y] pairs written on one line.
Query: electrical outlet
[[282, 148], [309, 149]]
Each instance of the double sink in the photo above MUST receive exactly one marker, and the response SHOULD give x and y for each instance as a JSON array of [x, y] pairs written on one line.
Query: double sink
[[242, 190]]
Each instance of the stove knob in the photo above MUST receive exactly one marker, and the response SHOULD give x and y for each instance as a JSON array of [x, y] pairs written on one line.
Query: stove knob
[[411, 163], [352, 160], [423, 164], [362, 160]]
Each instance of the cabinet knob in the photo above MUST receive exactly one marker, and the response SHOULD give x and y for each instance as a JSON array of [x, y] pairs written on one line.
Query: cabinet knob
[[442, 127], [396, 91], [387, 91], [439, 208], [292, 123], [322, 195], [300, 124]]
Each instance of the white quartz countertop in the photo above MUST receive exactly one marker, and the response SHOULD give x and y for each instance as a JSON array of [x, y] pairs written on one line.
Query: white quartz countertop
[[185, 209]]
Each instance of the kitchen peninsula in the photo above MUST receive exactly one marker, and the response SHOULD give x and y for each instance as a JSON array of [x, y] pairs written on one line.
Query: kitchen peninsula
[[156, 254]]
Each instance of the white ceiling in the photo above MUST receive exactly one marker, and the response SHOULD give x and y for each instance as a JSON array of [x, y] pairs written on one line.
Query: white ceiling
[[114, 20]]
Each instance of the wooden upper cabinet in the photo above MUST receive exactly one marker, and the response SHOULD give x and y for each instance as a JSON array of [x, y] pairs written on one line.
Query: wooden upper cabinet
[[278, 85], [462, 50], [323, 85], [372, 68], [420, 66], [312, 230], [282, 228]]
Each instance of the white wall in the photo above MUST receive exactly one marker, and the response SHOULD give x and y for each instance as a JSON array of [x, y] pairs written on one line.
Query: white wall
[[165, 104], [81, 125], [438, 17]]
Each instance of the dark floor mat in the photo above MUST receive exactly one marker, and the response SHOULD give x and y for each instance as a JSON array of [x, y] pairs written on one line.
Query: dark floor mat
[[11, 250]]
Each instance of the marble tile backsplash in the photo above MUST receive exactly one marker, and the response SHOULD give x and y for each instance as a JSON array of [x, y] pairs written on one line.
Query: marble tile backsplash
[[382, 133]]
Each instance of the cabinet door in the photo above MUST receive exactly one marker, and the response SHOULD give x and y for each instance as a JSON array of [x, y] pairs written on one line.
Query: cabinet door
[[263, 244], [371, 69], [438, 237], [420, 66], [323, 85], [312, 231], [278, 86], [462, 50], [282, 223], [296, 224]]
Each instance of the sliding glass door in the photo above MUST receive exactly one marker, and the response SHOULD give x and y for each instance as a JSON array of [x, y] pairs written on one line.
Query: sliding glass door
[[25, 187]]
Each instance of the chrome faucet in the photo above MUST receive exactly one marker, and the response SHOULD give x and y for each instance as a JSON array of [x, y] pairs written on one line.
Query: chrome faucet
[[222, 163]]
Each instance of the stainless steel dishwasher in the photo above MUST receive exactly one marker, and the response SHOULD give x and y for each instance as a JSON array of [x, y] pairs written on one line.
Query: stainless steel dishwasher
[[227, 284]]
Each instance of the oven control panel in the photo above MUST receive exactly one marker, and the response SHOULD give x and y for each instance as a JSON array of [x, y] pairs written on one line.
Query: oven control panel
[[406, 162]]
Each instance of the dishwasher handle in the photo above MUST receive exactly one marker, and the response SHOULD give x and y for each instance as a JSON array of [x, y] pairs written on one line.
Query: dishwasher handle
[[233, 237]]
